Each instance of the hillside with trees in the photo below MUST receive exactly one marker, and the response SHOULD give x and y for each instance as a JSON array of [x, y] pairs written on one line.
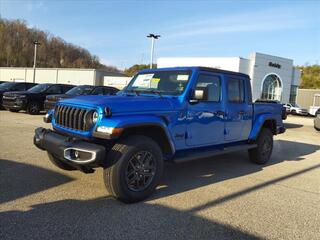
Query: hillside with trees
[[17, 49], [310, 77], [137, 67]]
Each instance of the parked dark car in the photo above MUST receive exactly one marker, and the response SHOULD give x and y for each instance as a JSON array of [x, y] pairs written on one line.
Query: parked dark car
[[13, 86], [32, 100], [317, 120], [77, 91], [3, 82]]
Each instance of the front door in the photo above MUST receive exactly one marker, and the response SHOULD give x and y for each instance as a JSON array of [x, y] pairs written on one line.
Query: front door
[[205, 123]]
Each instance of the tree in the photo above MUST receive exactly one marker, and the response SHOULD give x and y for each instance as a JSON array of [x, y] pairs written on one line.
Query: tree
[[135, 68], [17, 49], [310, 77]]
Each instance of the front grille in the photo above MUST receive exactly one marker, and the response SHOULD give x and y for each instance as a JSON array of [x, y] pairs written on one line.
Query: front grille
[[73, 117]]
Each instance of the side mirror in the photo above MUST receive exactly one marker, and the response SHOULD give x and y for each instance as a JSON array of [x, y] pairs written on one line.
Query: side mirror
[[198, 95]]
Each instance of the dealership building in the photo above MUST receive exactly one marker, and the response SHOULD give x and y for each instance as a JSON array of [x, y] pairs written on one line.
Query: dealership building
[[272, 77]]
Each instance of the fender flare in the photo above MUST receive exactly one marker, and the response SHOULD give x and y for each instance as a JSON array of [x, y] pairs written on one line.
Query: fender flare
[[143, 121], [258, 123]]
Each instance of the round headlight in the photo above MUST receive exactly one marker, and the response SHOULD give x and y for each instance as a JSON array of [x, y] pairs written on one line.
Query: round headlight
[[95, 117]]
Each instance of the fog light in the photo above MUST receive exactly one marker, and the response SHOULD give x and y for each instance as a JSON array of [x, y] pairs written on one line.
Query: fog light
[[74, 154]]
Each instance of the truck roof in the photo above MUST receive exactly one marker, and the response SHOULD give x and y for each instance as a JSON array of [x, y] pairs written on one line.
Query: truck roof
[[208, 69]]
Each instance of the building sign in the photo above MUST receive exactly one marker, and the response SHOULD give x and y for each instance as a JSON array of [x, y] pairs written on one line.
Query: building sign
[[275, 65]]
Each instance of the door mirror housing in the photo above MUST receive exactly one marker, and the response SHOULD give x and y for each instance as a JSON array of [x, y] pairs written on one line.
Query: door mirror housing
[[197, 96]]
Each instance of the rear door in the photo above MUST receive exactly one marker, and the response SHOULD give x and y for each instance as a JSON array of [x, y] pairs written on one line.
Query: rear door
[[238, 118], [205, 123]]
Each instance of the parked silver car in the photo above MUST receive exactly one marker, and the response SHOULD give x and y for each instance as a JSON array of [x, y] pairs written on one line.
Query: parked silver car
[[296, 109], [316, 121]]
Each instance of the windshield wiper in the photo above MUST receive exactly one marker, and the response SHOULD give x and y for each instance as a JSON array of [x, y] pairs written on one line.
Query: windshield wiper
[[156, 92]]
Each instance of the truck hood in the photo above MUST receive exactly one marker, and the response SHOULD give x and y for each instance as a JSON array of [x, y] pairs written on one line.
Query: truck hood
[[119, 104]]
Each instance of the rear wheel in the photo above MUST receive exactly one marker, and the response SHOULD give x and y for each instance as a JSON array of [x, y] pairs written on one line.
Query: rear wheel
[[33, 108], [262, 153], [136, 170]]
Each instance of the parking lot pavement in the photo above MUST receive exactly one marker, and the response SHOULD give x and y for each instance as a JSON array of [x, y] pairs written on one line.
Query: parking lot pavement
[[225, 197]]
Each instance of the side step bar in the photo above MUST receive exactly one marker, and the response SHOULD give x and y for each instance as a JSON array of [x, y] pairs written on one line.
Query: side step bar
[[211, 153]]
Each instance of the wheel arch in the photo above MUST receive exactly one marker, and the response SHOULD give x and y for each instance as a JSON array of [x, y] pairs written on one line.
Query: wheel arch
[[155, 131], [265, 121]]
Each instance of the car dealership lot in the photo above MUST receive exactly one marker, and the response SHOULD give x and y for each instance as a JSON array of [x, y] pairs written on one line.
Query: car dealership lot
[[225, 197]]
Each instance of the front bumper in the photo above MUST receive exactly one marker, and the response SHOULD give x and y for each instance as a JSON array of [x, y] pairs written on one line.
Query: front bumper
[[72, 151], [16, 104]]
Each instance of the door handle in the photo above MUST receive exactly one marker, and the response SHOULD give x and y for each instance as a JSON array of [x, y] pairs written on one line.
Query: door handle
[[220, 113]]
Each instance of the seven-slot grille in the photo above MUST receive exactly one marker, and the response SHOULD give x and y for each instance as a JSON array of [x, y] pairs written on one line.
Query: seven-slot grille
[[73, 117]]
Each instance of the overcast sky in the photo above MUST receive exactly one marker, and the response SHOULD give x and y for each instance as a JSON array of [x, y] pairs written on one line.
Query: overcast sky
[[116, 30]]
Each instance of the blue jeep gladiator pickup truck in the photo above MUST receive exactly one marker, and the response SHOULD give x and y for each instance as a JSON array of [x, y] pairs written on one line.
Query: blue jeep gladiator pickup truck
[[171, 114]]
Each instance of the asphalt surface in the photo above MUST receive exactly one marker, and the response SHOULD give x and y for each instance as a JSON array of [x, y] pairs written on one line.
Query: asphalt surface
[[225, 197]]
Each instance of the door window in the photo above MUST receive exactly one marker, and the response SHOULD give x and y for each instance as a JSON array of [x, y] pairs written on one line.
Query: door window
[[211, 87], [20, 87], [235, 91]]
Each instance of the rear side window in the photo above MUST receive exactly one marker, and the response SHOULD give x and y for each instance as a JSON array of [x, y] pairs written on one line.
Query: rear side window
[[56, 89], [211, 87], [97, 91], [29, 85], [66, 88], [235, 90]]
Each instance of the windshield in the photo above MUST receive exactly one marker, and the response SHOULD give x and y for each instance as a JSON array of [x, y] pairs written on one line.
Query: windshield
[[80, 90], [162, 82], [39, 88], [7, 86]]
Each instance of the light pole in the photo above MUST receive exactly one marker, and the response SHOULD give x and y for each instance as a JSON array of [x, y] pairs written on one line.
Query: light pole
[[153, 37], [36, 43]]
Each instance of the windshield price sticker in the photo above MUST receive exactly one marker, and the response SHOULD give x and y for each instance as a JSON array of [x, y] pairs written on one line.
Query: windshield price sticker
[[154, 82], [182, 77], [143, 80]]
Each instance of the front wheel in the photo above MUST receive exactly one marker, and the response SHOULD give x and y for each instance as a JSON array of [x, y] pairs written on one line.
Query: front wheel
[[33, 108], [136, 169], [262, 153]]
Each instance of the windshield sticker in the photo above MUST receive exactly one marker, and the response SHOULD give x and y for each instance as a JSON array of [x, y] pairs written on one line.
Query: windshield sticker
[[154, 82], [143, 80], [182, 77]]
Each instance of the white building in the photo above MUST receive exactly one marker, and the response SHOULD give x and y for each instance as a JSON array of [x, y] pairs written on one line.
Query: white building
[[272, 77], [75, 76]]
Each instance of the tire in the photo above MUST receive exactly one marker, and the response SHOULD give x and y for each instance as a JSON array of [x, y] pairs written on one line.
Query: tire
[[33, 108], [13, 110], [58, 163], [262, 153], [128, 169], [294, 112]]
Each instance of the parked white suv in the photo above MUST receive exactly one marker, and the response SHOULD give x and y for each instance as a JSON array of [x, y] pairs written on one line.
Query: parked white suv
[[295, 109]]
